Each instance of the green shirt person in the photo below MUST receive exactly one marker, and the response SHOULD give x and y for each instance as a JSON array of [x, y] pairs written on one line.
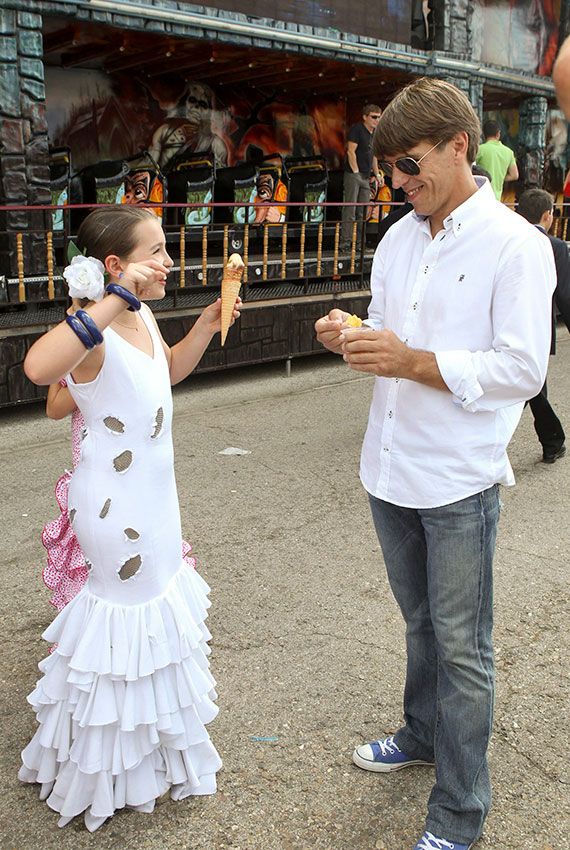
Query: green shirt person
[[496, 158]]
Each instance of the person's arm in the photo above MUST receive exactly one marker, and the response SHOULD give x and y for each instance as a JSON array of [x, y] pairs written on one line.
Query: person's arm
[[377, 173], [382, 353], [561, 78], [328, 328], [513, 172], [351, 156], [59, 402], [59, 351], [512, 370], [385, 355], [183, 357]]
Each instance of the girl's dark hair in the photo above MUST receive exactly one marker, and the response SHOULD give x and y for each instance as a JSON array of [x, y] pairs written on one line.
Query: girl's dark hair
[[111, 231]]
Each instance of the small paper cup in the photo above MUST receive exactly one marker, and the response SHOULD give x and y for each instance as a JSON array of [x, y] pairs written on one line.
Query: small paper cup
[[349, 331]]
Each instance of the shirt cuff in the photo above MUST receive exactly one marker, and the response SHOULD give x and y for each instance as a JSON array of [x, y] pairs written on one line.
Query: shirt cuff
[[456, 368], [375, 324]]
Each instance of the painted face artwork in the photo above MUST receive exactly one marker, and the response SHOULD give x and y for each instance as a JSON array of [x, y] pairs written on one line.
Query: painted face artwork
[[265, 187], [197, 104], [137, 187]]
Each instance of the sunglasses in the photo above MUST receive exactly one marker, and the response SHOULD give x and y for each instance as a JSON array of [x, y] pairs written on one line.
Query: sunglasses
[[376, 116], [406, 164]]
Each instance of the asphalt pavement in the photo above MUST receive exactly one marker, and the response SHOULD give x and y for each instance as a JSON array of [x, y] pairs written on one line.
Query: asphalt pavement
[[308, 647]]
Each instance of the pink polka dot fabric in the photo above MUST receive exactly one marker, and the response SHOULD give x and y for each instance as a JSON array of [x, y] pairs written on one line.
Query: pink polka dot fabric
[[65, 572]]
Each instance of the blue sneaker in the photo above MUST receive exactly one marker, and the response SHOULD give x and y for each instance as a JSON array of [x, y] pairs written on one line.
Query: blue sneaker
[[430, 842], [383, 757]]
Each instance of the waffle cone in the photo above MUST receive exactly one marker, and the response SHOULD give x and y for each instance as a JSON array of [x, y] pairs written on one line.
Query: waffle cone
[[231, 283]]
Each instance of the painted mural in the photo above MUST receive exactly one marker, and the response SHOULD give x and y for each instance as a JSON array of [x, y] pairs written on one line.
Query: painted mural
[[101, 117], [555, 154], [125, 139], [520, 34]]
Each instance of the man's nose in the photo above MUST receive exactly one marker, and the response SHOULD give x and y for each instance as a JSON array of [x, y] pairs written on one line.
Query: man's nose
[[399, 178]]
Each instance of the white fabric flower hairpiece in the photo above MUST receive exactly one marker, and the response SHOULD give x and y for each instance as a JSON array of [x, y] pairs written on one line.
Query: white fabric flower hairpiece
[[85, 277]]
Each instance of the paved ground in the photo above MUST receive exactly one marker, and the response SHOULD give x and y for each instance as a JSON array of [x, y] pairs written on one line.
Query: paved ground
[[308, 648]]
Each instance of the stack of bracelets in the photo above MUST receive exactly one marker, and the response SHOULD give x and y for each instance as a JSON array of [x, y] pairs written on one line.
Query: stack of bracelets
[[83, 325]]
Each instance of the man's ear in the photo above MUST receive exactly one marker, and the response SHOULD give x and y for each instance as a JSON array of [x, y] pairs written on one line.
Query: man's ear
[[460, 144]]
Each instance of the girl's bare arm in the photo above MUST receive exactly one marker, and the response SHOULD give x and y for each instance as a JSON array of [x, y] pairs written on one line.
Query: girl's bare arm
[[59, 402]]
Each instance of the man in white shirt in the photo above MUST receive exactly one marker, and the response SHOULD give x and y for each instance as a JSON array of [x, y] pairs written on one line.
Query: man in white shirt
[[460, 312]]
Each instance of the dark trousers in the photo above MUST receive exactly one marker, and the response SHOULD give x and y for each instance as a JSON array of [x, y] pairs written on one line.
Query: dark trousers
[[546, 423]]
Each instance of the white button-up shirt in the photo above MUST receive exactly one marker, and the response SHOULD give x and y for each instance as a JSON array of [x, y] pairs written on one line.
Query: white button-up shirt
[[478, 295]]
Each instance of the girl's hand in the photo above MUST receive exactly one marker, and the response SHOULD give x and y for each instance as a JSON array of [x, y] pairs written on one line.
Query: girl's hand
[[211, 315], [139, 278]]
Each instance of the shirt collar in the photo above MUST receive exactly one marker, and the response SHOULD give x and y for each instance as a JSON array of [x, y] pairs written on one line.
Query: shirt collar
[[471, 209]]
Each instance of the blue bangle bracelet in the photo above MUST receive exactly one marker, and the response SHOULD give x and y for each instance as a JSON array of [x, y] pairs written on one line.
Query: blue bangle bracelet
[[89, 323], [132, 300], [80, 331]]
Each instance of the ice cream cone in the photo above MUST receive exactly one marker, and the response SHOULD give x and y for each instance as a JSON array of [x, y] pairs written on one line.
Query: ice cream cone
[[231, 283]]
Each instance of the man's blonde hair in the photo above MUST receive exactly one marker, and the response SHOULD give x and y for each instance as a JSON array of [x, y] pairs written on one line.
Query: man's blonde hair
[[427, 110]]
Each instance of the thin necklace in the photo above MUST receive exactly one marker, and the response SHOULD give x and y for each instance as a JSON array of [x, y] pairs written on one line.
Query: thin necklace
[[130, 327]]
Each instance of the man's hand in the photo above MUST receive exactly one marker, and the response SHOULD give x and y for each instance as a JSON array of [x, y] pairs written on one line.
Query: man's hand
[[328, 329], [381, 353]]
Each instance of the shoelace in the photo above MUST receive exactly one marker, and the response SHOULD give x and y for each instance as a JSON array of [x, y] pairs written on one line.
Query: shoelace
[[389, 747], [430, 842]]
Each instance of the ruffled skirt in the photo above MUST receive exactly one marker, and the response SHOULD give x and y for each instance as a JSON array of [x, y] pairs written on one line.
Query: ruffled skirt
[[123, 703]]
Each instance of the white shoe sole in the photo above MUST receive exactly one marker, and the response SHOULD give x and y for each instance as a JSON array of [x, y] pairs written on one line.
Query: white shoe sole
[[378, 767]]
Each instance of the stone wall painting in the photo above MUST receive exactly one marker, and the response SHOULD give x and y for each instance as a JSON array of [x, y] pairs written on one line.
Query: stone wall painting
[[519, 34], [109, 117], [555, 164]]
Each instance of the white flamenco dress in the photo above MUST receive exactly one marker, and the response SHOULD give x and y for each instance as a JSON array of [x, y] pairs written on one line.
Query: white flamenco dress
[[125, 696]]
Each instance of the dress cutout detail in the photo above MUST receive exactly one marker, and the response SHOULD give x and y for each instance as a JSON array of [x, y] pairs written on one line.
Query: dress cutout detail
[[66, 570]]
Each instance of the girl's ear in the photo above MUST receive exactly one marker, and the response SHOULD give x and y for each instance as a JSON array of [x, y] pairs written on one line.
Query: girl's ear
[[113, 265]]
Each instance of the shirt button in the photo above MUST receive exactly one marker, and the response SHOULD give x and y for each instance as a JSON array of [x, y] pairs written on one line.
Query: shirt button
[[415, 306], [426, 269], [386, 449], [397, 380], [390, 414]]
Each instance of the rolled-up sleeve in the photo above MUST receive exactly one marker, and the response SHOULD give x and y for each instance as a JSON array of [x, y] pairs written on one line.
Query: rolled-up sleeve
[[514, 369]]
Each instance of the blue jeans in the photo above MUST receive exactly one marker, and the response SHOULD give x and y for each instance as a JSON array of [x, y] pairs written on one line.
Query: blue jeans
[[440, 568]]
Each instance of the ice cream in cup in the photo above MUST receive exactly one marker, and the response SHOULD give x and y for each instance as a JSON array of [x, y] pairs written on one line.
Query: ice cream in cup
[[354, 325]]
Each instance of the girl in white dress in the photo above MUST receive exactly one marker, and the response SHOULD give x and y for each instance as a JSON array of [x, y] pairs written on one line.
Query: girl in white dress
[[125, 697]]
